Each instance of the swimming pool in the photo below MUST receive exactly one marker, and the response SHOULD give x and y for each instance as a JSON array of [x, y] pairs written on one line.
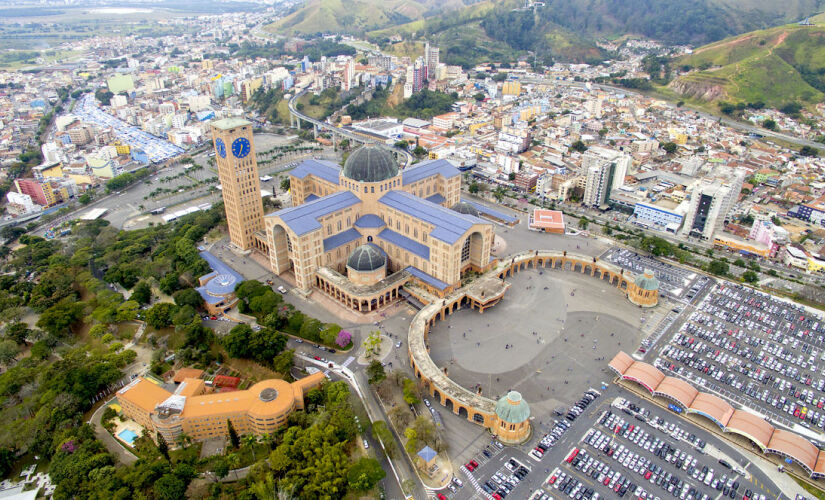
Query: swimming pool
[[128, 436]]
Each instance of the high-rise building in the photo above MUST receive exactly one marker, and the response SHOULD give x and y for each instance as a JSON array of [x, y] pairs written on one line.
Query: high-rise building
[[706, 209], [605, 170], [431, 60], [349, 75], [238, 173]]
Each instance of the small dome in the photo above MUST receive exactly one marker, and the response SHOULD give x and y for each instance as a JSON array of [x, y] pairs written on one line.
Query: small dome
[[268, 394], [367, 258], [463, 207], [647, 281], [512, 408], [370, 163]]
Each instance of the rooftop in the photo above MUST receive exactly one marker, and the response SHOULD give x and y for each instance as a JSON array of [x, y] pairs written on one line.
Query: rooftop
[[448, 226], [230, 123], [304, 218], [323, 169], [428, 168]]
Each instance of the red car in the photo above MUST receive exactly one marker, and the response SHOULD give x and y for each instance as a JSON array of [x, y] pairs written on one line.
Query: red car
[[317, 358], [648, 474], [606, 481], [475, 464], [470, 467], [441, 497], [552, 480], [496, 496], [213, 318]]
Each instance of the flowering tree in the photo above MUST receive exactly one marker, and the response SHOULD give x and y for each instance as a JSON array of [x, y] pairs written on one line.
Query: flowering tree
[[343, 339]]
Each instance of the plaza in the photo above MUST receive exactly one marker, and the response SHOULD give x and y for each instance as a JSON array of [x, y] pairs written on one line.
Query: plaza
[[557, 323]]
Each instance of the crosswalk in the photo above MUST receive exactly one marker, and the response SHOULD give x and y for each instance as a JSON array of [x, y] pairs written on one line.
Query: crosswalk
[[475, 484]]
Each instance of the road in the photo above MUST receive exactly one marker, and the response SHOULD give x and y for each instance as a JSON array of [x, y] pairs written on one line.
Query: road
[[342, 131]]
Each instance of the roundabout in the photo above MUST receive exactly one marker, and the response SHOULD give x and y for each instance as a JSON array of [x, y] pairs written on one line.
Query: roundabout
[[542, 339]]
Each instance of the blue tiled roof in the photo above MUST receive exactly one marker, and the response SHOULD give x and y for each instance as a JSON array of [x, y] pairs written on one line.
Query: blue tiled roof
[[449, 225], [485, 210], [369, 220], [303, 218], [427, 453], [408, 244], [428, 168], [342, 238], [223, 280], [437, 199], [426, 278], [310, 197], [323, 169]]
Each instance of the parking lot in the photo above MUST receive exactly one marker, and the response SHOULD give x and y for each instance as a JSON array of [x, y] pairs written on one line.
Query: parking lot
[[756, 351], [674, 282]]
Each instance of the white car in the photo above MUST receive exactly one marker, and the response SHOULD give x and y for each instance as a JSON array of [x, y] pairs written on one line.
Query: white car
[[282, 289]]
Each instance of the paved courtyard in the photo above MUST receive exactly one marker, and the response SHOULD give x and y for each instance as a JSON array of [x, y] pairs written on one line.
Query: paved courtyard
[[542, 340]]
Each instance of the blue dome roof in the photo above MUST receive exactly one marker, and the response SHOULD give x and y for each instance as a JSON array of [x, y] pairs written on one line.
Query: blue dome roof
[[367, 258], [370, 163], [647, 281]]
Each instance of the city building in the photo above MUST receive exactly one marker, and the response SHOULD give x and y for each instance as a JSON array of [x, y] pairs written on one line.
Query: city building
[[431, 60], [548, 221], [658, 217], [40, 192], [706, 207], [218, 287], [512, 424], [192, 409], [238, 174], [605, 170]]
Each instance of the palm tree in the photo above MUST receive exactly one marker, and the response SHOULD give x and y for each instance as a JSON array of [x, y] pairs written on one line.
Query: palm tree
[[183, 440], [234, 461], [250, 440]]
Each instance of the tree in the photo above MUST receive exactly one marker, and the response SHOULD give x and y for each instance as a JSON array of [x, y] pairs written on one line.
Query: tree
[[233, 434], [249, 441], [18, 332], [670, 147], [739, 262], [499, 193], [420, 151], [282, 363], [142, 293], [718, 267], [58, 319], [127, 311], [411, 395], [809, 151], [310, 329], [769, 124], [578, 146], [473, 189], [364, 474], [163, 446], [584, 222], [104, 96], [329, 333], [285, 184], [343, 339], [375, 372], [188, 297], [237, 340], [84, 199], [750, 277], [8, 352], [382, 432], [220, 468], [160, 315]]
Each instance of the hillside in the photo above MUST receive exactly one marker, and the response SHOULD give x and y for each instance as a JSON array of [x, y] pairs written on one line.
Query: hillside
[[358, 16], [775, 66]]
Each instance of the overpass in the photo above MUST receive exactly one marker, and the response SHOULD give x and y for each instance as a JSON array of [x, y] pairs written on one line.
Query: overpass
[[295, 118]]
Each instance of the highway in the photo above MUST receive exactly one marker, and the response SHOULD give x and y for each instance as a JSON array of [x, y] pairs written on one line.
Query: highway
[[342, 131]]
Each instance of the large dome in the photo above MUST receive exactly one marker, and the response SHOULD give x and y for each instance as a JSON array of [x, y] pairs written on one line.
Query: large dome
[[512, 408], [370, 164], [367, 258]]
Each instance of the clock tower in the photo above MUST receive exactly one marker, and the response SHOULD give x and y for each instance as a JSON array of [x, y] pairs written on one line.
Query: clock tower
[[238, 174]]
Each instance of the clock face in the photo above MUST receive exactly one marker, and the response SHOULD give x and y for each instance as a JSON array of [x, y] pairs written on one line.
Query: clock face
[[220, 147], [241, 147]]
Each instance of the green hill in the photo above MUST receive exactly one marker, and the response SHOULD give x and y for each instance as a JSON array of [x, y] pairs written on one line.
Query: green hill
[[357, 16], [774, 66]]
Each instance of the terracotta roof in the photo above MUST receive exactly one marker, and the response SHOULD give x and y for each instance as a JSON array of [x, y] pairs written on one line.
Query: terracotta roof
[[794, 446], [191, 387], [713, 406], [751, 426], [144, 394], [621, 362], [647, 375], [677, 389], [187, 373]]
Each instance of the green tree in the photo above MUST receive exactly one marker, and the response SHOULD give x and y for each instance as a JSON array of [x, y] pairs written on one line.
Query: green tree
[[473, 188], [18, 332], [769, 124], [169, 487], [365, 474], [163, 446], [809, 151], [160, 315], [58, 319], [127, 311], [188, 297], [237, 341], [8, 351], [411, 394], [750, 277], [584, 222], [142, 293], [220, 468], [233, 434], [311, 329], [375, 372], [670, 147], [578, 146], [283, 362], [84, 199], [718, 267], [285, 184]]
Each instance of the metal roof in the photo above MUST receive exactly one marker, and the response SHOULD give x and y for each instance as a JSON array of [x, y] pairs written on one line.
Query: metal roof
[[369, 221], [304, 218], [415, 173], [512, 408], [407, 244], [342, 238], [222, 280], [323, 169], [367, 258], [489, 212], [449, 226], [426, 278], [230, 123]]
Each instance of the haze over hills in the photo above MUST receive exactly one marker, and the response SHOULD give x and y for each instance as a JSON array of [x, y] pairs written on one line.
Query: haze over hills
[[774, 66]]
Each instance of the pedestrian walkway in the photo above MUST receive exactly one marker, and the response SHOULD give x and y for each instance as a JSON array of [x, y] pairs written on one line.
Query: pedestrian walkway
[[475, 484]]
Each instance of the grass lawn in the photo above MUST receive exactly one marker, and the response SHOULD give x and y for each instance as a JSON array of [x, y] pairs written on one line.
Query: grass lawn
[[810, 489]]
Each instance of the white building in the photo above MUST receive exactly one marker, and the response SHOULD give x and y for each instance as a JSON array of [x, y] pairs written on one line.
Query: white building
[[431, 60], [605, 170], [22, 204], [705, 212]]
